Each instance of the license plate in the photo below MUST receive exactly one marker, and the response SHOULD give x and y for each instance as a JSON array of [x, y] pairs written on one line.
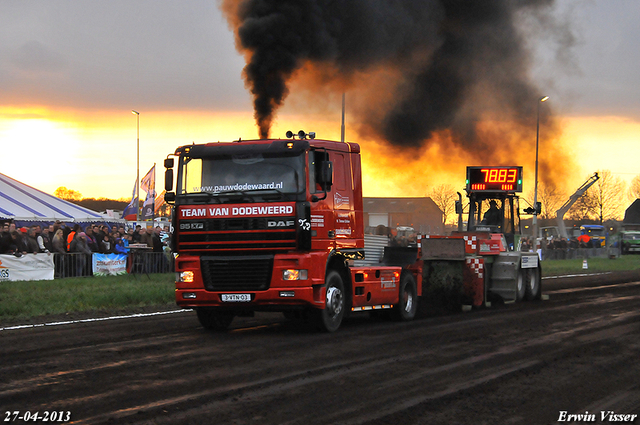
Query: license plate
[[236, 298]]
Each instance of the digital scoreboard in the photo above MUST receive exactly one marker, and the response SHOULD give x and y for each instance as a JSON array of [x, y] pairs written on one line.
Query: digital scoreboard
[[494, 179]]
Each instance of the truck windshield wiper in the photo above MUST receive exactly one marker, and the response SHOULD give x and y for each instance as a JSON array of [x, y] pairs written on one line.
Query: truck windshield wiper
[[253, 192], [204, 196]]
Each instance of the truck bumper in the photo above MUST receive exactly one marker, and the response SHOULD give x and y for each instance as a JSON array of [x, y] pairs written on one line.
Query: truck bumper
[[271, 299], [279, 295]]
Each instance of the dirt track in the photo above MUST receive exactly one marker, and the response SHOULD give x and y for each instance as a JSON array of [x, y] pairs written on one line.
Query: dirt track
[[515, 364]]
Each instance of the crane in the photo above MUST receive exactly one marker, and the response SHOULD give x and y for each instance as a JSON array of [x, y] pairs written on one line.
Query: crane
[[572, 200]]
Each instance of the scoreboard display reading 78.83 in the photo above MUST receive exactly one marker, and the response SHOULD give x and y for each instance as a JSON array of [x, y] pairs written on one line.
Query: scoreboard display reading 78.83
[[494, 179]]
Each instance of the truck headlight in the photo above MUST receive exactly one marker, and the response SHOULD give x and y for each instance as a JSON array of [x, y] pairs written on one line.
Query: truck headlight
[[185, 277], [292, 274]]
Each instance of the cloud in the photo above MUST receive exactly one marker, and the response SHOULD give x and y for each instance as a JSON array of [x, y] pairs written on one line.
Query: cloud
[[119, 54], [35, 58]]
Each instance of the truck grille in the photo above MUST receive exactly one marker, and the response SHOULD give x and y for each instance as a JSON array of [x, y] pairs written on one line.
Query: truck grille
[[244, 273], [237, 234]]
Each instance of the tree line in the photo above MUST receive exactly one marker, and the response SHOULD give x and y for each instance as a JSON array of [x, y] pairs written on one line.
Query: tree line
[[102, 204]]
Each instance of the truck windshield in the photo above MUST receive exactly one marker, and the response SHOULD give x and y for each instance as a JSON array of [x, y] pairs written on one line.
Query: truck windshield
[[242, 173]]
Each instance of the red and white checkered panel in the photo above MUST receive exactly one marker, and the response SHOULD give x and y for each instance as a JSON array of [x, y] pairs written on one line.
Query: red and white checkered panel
[[471, 242], [477, 266]]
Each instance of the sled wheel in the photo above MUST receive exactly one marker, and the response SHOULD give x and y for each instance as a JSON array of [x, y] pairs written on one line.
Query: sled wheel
[[533, 287], [521, 285]]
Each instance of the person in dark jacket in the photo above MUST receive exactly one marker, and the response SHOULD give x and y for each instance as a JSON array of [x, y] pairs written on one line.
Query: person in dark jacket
[[44, 240], [107, 245], [92, 242], [18, 243], [31, 241], [6, 242], [79, 245]]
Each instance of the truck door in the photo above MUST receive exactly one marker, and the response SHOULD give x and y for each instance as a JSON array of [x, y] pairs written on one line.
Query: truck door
[[322, 216], [343, 202]]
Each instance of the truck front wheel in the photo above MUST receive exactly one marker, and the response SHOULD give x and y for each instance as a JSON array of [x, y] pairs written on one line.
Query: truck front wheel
[[214, 320], [408, 303], [330, 318]]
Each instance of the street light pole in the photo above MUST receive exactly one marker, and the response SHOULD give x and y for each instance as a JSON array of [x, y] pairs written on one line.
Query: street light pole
[[535, 190], [137, 114], [342, 128]]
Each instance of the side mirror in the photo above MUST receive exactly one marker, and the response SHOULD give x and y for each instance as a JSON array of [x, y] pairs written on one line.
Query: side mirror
[[168, 178], [169, 197], [458, 207], [168, 163]]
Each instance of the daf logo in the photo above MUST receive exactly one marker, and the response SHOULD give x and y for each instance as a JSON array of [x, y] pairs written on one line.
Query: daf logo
[[281, 223]]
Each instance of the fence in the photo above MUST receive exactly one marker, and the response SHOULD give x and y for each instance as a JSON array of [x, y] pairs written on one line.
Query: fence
[[74, 264], [572, 253]]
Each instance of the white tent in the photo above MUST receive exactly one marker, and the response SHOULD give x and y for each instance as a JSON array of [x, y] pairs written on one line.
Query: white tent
[[23, 203]]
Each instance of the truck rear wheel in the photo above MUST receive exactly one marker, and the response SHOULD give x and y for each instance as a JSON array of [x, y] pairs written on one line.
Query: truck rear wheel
[[330, 318], [408, 303], [214, 320], [533, 288]]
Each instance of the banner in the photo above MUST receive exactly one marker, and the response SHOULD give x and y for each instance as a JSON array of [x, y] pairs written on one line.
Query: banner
[[159, 201], [109, 264], [131, 211], [148, 184], [27, 267]]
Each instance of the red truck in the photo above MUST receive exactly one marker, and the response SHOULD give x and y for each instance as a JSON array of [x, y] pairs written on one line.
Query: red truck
[[277, 225]]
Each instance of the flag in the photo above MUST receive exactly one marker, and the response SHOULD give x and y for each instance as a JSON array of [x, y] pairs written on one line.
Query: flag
[[131, 211], [148, 184], [159, 201]]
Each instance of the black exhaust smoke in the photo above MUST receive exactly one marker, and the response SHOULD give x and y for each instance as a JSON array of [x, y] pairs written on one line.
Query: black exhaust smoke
[[458, 61]]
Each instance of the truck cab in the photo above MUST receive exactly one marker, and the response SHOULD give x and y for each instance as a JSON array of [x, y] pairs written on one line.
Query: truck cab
[[629, 241], [596, 233], [272, 225]]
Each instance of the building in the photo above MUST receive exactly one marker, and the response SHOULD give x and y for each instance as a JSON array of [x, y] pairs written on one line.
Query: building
[[631, 216], [420, 213]]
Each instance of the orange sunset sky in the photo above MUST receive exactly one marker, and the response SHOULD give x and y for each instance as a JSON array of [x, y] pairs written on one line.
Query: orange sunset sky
[[72, 71]]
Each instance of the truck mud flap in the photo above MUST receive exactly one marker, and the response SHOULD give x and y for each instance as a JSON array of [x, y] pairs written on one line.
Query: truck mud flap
[[504, 275]]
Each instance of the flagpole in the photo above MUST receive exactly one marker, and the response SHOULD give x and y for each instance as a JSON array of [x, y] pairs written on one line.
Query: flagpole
[[137, 114], [153, 190]]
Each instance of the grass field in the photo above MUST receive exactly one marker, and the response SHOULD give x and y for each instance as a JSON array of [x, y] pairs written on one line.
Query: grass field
[[20, 300], [561, 267], [45, 297]]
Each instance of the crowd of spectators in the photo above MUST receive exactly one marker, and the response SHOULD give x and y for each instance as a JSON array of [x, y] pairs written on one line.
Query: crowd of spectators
[[94, 238], [560, 243]]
